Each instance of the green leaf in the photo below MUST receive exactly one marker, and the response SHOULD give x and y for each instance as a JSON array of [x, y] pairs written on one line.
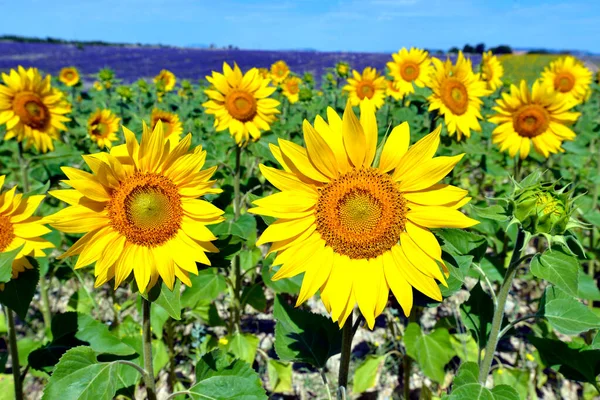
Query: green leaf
[[206, 286], [466, 386], [7, 387], [588, 288], [302, 336], [218, 377], [365, 376], [495, 212], [18, 293], [477, 313], [244, 227], [432, 352], [558, 268], [169, 300], [289, 285], [79, 375], [243, 346], [462, 243], [566, 314], [517, 379], [280, 376], [465, 347], [6, 261], [255, 296]]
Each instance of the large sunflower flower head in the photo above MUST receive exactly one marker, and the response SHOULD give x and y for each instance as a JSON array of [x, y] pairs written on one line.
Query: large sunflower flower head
[[569, 77], [291, 88], [140, 211], [457, 93], [241, 103], [369, 85], [410, 67], [102, 127], [19, 229], [491, 70], [355, 227], [165, 80], [69, 76], [540, 117], [279, 71], [32, 109], [172, 126]]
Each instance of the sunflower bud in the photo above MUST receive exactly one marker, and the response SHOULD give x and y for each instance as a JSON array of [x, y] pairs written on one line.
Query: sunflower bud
[[305, 94]]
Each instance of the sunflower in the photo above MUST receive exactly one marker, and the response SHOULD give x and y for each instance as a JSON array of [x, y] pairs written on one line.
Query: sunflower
[[139, 210], [98, 86], [102, 127], [69, 76], [569, 77], [32, 109], [393, 91], [540, 117], [18, 228], [368, 85], [279, 71], [491, 70], [358, 229], [457, 93], [165, 80], [410, 67], [291, 88], [241, 103], [172, 126], [342, 69]]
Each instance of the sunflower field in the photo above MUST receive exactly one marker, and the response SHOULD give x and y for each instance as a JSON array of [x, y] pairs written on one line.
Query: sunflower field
[[427, 231]]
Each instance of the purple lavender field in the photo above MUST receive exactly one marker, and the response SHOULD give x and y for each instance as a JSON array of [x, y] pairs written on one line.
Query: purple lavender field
[[132, 63]]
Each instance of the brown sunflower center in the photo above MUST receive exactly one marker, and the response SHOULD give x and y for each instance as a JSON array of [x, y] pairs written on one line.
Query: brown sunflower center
[[361, 214], [293, 87], [241, 105], [146, 209], [99, 129], [409, 71], [69, 75], [531, 120], [166, 123], [564, 82], [454, 95], [31, 110], [6, 232], [365, 89]]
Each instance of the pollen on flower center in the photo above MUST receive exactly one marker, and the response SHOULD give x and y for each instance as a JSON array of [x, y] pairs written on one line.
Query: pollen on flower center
[[531, 120], [146, 209], [6, 232], [454, 95], [409, 71], [31, 110], [241, 105], [564, 82], [361, 214]]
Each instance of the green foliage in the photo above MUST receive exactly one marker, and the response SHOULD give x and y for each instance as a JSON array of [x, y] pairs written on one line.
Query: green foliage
[[466, 386], [18, 293], [365, 376], [431, 351], [566, 314], [558, 268], [280, 376]]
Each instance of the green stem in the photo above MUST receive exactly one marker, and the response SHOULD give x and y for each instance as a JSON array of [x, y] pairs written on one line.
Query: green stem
[[515, 322], [326, 383], [236, 264], [14, 354], [407, 361], [171, 346], [345, 358], [147, 341], [511, 271]]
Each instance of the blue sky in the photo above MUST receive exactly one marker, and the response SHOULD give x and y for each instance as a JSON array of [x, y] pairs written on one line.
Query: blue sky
[[338, 25]]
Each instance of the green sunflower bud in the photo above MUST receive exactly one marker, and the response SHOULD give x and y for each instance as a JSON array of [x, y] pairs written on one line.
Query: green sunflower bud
[[305, 94], [125, 93]]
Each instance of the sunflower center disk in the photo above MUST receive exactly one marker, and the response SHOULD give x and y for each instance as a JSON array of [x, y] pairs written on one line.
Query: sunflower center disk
[[365, 89], [146, 209], [31, 110], [241, 105], [99, 129], [409, 71], [361, 214], [6, 232], [531, 121], [564, 82], [454, 95]]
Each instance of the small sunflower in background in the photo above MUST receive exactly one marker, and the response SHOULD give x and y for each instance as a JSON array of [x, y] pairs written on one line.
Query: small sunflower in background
[[264, 73], [393, 91], [291, 88], [358, 228], [32, 109], [140, 211], [69, 76], [172, 126], [342, 69], [491, 70], [102, 127], [98, 86], [19, 228], [457, 93], [279, 71], [538, 117], [165, 80], [241, 103], [410, 67], [368, 85], [569, 77]]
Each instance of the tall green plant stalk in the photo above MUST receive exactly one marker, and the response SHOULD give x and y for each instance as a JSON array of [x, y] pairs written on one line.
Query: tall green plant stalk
[[147, 344], [492, 343], [14, 354], [236, 278], [347, 336]]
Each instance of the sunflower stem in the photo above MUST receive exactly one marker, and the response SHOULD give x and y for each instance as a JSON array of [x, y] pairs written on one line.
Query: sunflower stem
[[236, 264], [14, 354], [511, 271], [171, 346], [347, 336], [147, 341]]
